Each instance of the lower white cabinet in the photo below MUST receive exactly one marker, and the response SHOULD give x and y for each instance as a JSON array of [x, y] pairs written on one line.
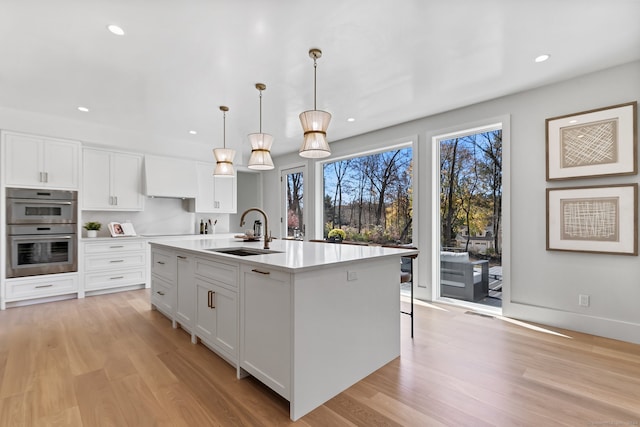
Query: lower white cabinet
[[163, 282], [216, 285], [266, 329], [217, 318], [110, 264], [163, 296], [49, 285]]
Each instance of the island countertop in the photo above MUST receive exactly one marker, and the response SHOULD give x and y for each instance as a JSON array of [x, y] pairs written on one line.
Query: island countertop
[[291, 255]]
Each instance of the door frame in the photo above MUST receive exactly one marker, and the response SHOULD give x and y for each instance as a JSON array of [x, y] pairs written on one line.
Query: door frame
[[502, 122]]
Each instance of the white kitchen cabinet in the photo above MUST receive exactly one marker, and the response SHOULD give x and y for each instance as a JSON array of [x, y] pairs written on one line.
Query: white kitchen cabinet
[[112, 181], [163, 296], [41, 162], [265, 326], [48, 285], [111, 264], [217, 307], [215, 194], [163, 282], [185, 291]]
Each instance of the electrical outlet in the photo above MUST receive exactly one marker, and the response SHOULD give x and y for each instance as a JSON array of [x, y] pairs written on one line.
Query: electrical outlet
[[583, 300], [352, 275]]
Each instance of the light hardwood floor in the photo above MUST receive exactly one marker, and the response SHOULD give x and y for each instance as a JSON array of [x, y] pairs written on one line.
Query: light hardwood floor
[[111, 361]]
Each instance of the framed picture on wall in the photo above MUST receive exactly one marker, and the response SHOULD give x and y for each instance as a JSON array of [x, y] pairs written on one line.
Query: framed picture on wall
[[597, 219], [600, 142]]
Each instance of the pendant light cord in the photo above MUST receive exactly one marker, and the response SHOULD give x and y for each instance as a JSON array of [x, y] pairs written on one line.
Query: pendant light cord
[[260, 111], [224, 129], [315, 68]]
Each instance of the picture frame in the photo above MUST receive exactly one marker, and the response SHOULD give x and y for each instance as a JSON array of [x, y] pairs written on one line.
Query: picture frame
[[601, 142], [596, 219]]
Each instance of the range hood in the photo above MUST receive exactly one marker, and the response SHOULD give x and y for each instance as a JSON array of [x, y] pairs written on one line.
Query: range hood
[[170, 177]]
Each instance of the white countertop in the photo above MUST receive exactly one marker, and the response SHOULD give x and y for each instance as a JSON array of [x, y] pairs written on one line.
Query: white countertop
[[162, 237], [293, 255]]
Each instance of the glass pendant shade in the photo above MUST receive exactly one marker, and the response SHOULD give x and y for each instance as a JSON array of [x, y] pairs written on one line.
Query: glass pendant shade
[[260, 151], [224, 161], [315, 124]]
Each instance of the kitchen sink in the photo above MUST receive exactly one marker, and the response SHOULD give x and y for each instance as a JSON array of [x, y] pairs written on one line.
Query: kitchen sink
[[241, 251]]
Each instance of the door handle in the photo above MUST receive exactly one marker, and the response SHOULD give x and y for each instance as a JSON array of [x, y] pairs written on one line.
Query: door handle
[[255, 270]]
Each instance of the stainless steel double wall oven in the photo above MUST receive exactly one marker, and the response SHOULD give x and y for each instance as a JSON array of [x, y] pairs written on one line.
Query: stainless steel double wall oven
[[41, 232]]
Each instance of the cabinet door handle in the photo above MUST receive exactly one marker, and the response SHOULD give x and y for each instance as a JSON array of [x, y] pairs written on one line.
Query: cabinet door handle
[[116, 260], [43, 286], [160, 262], [211, 299], [116, 247], [160, 293], [182, 257], [261, 272], [116, 278]]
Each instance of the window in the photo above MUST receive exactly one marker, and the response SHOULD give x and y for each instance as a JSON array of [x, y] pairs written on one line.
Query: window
[[370, 196]]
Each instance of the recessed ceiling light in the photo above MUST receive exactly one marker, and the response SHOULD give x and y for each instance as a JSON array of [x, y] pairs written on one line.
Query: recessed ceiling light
[[193, 132], [351, 119], [83, 109], [542, 58], [115, 30], [573, 121]]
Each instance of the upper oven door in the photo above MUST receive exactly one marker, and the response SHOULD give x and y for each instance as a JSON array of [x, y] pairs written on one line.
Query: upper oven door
[[35, 211]]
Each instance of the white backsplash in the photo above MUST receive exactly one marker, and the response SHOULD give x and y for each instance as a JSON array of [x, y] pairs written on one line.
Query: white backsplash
[[160, 216]]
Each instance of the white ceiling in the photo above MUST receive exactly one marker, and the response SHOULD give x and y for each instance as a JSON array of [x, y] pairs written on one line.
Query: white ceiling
[[384, 61]]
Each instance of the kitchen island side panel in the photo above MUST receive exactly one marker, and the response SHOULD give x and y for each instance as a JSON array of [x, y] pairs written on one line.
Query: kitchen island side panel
[[346, 325]]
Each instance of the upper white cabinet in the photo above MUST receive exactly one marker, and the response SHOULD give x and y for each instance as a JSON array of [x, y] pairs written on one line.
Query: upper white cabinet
[[169, 177], [35, 161], [215, 194], [112, 181]]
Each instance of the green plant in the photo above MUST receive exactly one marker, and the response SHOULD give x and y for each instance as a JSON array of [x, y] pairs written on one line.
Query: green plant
[[336, 232], [92, 225]]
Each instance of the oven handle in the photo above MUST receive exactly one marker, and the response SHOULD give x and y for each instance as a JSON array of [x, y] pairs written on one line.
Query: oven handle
[[42, 237], [40, 202]]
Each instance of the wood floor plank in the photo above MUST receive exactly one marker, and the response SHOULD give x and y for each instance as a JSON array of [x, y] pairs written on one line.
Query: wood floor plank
[[97, 401]]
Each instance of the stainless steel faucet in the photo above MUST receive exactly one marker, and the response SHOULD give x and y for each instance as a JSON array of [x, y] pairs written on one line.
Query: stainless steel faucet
[[267, 237]]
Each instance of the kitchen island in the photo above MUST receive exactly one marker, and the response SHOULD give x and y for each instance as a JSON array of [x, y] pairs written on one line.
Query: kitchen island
[[307, 319]]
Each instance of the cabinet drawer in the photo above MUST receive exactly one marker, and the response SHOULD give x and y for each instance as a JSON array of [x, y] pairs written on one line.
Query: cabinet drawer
[[217, 271], [41, 287], [164, 264], [114, 247], [163, 296], [114, 279], [113, 261]]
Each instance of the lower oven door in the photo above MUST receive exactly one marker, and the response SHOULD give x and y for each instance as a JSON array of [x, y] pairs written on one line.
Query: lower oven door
[[31, 255]]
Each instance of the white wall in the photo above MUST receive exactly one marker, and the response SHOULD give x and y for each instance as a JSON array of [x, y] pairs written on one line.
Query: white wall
[[539, 285]]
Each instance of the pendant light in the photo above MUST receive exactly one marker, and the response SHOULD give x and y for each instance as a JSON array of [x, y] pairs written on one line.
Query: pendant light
[[224, 156], [260, 143], [315, 123]]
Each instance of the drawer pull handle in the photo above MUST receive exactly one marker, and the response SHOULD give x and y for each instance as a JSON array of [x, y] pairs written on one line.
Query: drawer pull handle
[[116, 260], [160, 293], [116, 247], [161, 262], [182, 257], [116, 278], [255, 270], [43, 286]]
